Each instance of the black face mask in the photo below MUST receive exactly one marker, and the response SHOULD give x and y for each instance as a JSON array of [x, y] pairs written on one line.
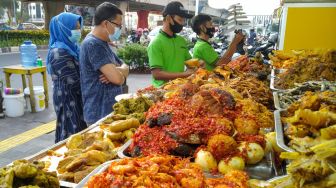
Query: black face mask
[[176, 28], [210, 31]]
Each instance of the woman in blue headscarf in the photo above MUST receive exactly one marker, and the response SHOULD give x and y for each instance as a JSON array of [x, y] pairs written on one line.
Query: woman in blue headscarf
[[62, 65]]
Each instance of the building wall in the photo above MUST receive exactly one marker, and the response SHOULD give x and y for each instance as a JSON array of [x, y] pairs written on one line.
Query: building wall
[[188, 4], [36, 12]]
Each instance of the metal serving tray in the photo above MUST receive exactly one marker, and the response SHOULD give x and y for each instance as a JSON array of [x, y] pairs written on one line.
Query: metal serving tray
[[276, 101], [265, 169], [274, 73], [249, 169], [60, 148], [101, 168], [279, 130]]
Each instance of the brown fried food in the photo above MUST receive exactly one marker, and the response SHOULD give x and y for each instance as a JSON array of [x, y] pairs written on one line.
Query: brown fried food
[[61, 168], [79, 175], [254, 110], [82, 141], [317, 66], [221, 145], [227, 123], [252, 88], [67, 176], [244, 124], [214, 101], [73, 152], [233, 179]]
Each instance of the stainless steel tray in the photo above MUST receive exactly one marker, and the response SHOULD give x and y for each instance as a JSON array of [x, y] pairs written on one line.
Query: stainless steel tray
[[276, 101], [121, 152], [265, 169], [61, 145], [279, 97], [277, 178], [272, 82], [101, 168], [276, 71], [279, 130]]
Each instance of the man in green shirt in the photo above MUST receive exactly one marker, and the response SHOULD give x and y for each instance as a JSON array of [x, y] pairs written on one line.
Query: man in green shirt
[[202, 25], [168, 51]]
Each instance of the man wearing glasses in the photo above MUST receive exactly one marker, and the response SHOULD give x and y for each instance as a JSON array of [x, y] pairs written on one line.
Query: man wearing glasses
[[102, 73]]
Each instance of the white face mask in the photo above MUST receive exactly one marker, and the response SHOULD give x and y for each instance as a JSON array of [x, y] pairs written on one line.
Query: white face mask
[[75, 36]]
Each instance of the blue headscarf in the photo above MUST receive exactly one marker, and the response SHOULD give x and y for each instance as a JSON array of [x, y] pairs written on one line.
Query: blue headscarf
[[60, 30]]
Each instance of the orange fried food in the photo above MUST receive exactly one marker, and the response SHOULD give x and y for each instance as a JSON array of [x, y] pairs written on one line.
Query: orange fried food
[[233, 179], [152, 171], [162, 171], [245, 124], [221, 145]]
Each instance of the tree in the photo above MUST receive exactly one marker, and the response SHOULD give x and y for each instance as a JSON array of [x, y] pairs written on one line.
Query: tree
[[2, 12], [22, 15], [8, 4]]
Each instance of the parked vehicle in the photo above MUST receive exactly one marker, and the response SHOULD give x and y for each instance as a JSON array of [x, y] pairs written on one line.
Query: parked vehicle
[[27, 26], [5, 27], [154, 32]]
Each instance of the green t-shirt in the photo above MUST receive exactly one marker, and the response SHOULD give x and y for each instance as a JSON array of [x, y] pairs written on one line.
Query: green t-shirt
[[168, 54], [204, 51]]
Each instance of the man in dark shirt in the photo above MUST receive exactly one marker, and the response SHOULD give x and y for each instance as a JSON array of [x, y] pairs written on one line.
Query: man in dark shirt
[[102, 72], [252, 37]]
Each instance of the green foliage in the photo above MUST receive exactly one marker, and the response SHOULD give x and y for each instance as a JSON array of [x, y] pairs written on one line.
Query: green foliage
[[38, 37], [84, 33], [135, 55], [16, 38]]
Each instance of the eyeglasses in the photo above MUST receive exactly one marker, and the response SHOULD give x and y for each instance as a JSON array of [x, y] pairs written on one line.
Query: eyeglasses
[[119, 25]]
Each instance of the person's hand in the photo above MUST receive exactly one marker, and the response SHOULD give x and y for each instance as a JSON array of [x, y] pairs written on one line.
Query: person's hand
[[238, 37], [124, 66], [189, 72], [112, 44], [103, 79], [202, 63]]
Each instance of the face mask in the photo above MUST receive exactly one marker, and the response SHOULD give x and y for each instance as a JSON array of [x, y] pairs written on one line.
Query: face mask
[[210, 31], [176, 28], [75, 36], [115, 36]]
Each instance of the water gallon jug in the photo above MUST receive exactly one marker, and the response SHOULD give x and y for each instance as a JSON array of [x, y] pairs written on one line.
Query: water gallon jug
[[28, 54]]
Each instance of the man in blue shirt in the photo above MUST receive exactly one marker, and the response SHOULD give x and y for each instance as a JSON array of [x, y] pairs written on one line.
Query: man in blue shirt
[[102, 72]]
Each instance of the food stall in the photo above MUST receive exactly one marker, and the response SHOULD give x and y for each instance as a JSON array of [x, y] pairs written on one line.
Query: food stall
[[243, 125], [211, 129]]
